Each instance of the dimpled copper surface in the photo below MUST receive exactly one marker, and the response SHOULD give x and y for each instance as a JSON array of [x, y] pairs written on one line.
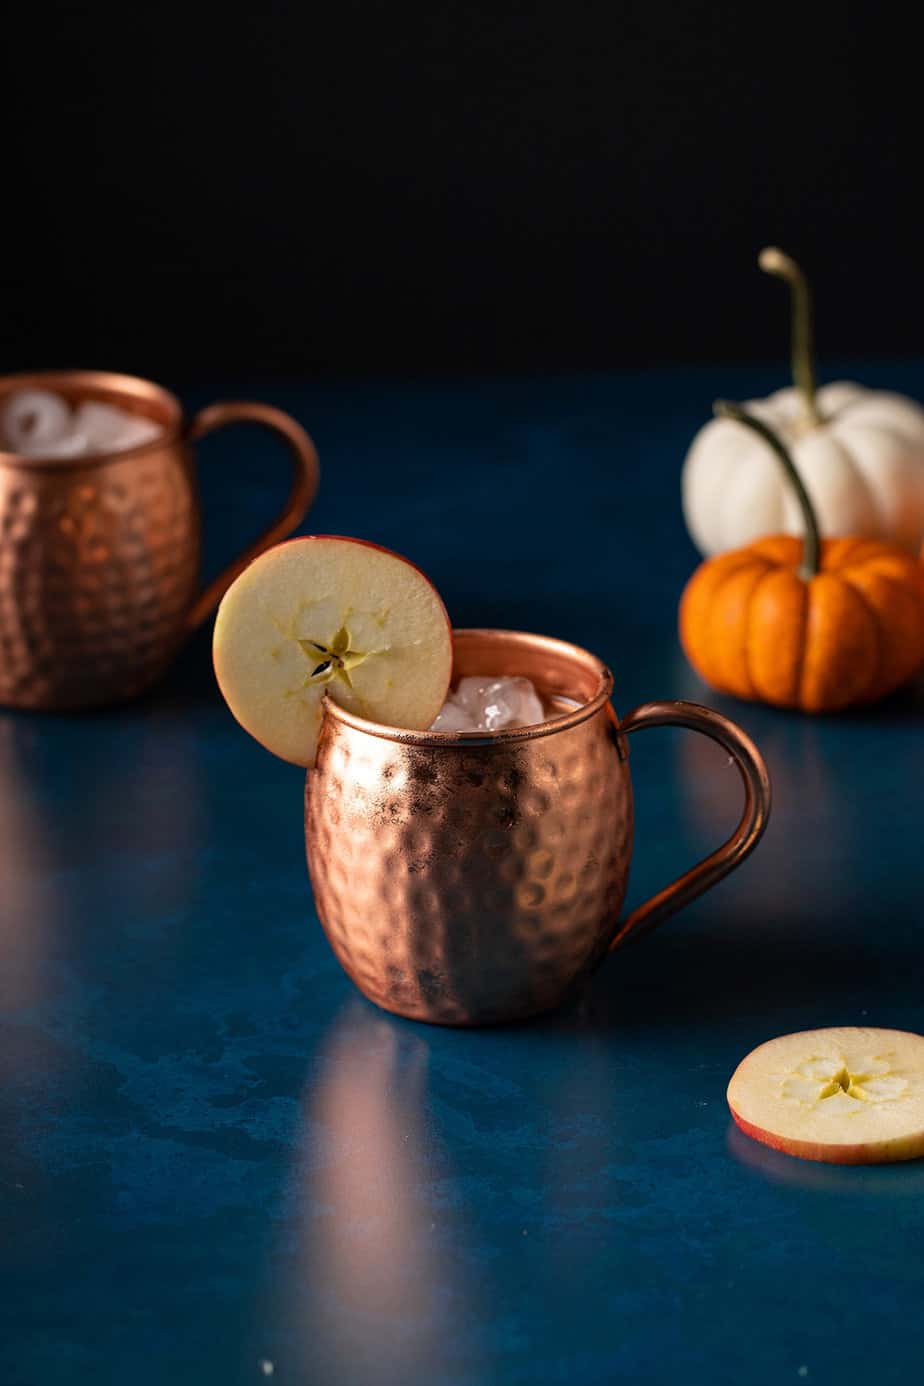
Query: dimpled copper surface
[[98, 568], [467, 883], [99, 555]]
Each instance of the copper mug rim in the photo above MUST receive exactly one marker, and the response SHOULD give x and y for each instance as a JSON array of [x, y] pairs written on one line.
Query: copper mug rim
[[561, 651], [111, 384]]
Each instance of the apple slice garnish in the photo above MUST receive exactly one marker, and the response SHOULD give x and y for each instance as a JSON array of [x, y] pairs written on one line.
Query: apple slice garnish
[[848, 1096], [334, 616]]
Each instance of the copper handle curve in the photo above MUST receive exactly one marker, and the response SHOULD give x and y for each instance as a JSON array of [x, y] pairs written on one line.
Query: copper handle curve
[[757, 798], [305, 479]]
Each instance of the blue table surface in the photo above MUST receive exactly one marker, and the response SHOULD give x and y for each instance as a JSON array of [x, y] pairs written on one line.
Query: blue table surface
[[219, 1164]]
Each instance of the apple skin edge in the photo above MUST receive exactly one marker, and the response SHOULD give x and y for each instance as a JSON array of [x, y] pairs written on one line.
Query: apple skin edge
[[365, 543], [910, 1148], [369, 544]]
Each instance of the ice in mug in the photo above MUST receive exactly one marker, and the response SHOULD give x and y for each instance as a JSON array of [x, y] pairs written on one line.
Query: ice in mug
[[40, 423], [491, 704]]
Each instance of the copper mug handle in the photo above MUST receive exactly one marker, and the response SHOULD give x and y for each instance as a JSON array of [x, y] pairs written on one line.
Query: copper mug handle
[[743, 840], [306, 475]]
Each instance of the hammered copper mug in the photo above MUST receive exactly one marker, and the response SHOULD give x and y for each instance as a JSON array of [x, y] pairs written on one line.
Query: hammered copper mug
[[472, 878], [99, 555]]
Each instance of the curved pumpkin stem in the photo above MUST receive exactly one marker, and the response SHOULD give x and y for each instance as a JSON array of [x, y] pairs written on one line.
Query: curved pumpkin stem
[[811, 542], [774, 261]]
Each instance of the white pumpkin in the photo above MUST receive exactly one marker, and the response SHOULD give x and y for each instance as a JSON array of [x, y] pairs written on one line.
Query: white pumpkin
[[859, 452]]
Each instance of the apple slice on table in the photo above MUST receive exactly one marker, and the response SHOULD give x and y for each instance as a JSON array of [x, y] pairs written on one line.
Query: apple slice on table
[[848, 1096], [334, 616]]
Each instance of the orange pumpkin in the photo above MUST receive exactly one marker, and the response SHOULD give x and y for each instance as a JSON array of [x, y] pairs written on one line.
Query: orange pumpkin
[[816, 625]]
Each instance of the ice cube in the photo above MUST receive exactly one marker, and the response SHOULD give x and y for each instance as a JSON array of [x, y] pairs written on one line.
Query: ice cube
[[32, 420], [511, 703], [139, 430], [452, 717], [102, 423], [71, 444], [467, 693], [110, 429], [501, 702]]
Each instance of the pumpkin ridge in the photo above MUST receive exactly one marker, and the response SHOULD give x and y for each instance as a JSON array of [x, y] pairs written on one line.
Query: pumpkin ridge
[[893, 431], [873, 562], [892, 580], [850, 551], [769, 571], [761, 569], [894, 593], [696, 605], [745, 557], [860, 480], [803, 642], [876, 672], [918, 592], [844, 657], [878, 430], [767, 549]]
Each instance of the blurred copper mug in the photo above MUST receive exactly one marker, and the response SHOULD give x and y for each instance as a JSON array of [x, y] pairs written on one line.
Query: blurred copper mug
[[99, 554], [471, 878]]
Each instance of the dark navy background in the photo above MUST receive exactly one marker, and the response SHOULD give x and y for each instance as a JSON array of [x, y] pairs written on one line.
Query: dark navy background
[[214, 1155]]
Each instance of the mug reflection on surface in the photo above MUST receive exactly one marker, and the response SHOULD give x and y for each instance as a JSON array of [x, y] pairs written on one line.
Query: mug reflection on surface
[[32, 903], [154, 859], [373, 1264]]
